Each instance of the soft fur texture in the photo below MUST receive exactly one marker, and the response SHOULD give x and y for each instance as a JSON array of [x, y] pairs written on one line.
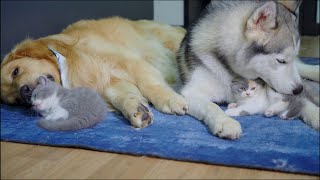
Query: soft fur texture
[[130, 63], [255, 97], [250, 98], [67, 109], [250, 39]]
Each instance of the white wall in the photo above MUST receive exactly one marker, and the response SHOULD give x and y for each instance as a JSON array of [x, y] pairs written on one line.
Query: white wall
[[169, 11]]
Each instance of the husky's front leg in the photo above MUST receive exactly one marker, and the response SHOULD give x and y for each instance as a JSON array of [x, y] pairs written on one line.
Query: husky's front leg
[[213, 116]]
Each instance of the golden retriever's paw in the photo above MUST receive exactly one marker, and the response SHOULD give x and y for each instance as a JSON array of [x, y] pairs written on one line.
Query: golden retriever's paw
[[142, 118], [226, 127], [176, 104]]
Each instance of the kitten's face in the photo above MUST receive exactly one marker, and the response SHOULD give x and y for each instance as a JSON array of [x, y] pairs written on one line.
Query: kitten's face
[[44, 96], [246, 88]]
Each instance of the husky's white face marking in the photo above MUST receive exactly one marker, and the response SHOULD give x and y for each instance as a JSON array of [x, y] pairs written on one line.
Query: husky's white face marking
[[271, 49], [278, 70]]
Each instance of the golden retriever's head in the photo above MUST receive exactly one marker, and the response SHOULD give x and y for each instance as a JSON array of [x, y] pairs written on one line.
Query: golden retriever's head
[[21, 68]]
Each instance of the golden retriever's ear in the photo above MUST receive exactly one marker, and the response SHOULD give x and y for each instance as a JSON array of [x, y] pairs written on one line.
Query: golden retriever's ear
[[29, 48], [32, 48]]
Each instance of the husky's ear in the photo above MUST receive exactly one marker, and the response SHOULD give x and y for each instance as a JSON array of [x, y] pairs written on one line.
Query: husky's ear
[[262, 22], [264, 17]]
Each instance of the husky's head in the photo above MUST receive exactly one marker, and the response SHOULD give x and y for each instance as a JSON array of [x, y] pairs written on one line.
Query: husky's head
[[273, 44]]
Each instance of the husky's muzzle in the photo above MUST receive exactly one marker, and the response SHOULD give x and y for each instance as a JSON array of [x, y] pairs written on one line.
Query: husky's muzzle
[[298, 90]]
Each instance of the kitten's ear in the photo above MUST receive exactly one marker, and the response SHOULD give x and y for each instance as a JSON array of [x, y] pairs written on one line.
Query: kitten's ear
[[42, 80], [260, 81], [237, 80]]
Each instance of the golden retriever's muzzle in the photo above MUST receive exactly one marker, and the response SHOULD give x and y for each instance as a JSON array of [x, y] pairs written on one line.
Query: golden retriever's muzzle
[[26, 93]]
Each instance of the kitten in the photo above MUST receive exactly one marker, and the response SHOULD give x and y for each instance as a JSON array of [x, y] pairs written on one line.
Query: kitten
[[256, 97], [67, 109], [250, 97]]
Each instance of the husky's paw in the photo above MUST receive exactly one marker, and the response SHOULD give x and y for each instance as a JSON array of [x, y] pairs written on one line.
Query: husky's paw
[[142, 117], [226, 127], [232, 112], [232, 105], [176, 104], [269, 113]]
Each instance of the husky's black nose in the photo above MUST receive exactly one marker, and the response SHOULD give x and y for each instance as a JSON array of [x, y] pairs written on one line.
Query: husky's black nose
[[26, 92], [298, 90]]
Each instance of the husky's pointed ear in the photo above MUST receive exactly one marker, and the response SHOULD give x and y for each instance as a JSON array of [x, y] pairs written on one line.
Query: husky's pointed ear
[[264, 18]]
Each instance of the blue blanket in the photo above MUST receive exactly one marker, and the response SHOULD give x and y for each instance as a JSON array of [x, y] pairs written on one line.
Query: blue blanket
[[266, 143]]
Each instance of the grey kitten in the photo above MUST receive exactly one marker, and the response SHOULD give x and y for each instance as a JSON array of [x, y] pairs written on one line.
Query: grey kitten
[[255, 97], [67, 109]]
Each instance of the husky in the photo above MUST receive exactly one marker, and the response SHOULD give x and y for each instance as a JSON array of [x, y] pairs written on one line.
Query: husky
[[249, 39]]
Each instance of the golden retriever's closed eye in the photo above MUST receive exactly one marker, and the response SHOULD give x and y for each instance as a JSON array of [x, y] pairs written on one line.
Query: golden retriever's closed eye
[[130, 63]]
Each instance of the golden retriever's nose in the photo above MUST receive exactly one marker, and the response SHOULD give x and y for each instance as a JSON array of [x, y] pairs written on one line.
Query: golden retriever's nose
[[26, 92]]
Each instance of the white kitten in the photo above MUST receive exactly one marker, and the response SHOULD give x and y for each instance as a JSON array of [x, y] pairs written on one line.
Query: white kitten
[[250, 97]]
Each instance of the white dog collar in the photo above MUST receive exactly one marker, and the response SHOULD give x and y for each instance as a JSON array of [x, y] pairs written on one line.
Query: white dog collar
[[63, 68]]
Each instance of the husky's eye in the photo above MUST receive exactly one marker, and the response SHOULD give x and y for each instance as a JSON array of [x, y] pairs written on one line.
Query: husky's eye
[[15, 72], [282, 61]]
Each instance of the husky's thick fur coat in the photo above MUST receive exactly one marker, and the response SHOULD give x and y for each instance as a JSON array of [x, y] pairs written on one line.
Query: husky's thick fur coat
[[241, 38]]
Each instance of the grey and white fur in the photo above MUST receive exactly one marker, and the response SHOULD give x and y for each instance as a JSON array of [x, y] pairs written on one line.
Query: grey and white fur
[[250, 39], [67, 109], [255, 97]]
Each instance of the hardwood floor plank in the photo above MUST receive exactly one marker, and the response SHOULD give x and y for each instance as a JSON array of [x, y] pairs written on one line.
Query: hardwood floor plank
[[23, 161]]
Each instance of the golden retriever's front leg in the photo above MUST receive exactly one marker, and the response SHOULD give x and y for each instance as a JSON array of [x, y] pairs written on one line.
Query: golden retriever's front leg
[[157, 91], [127, 98]]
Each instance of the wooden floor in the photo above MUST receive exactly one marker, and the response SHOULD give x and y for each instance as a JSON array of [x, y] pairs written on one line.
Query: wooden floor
[[21, 161]]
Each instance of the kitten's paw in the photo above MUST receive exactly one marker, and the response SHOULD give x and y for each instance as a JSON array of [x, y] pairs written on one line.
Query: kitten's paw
[[142, 118], [232, 112], [232, 105], [226, 127], [283, 116], [269, 113], [176, 104]]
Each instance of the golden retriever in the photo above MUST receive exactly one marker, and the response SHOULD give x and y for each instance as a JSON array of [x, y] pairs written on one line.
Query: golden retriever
[[130, 63]]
